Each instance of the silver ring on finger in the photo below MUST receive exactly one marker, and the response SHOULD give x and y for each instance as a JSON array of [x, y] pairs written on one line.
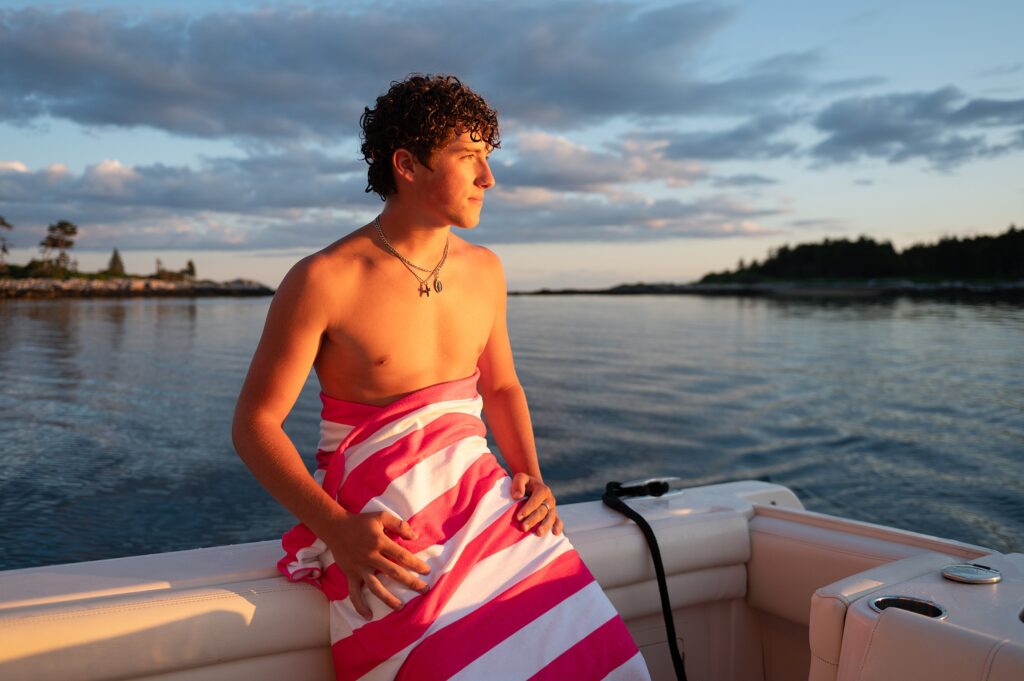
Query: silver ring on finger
[[546, 507]]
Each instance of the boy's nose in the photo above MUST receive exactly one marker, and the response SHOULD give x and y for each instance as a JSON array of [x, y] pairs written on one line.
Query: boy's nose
[[486, 178]]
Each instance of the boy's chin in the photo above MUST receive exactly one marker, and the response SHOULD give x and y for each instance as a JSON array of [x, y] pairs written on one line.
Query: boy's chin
[[467, 222]]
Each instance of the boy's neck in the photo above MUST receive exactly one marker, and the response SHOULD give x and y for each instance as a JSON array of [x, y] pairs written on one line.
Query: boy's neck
[[419, 240]]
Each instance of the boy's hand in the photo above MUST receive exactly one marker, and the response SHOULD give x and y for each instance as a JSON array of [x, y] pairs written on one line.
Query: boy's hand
[[362, 551], [538, 511]]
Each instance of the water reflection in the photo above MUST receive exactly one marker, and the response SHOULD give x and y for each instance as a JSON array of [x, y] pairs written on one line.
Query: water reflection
[[901, 412], [49, 347], [115, 313]]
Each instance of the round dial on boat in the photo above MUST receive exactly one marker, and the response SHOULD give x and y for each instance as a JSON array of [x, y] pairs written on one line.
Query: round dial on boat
[[969, 573]]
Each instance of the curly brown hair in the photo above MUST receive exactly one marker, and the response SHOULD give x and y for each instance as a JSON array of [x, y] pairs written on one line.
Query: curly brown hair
[[422, 113]]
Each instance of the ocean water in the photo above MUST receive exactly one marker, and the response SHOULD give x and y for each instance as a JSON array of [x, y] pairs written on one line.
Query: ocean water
[[115, 414]]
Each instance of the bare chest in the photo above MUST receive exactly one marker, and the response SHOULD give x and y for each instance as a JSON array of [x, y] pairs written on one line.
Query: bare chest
[[393, 339]]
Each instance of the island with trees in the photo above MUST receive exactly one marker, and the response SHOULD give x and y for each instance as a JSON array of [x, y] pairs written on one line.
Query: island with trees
[[55, 274], [971, 266]]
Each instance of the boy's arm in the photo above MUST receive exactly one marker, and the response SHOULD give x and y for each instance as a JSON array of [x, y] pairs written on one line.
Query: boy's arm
[[508, 418], [289, 345]]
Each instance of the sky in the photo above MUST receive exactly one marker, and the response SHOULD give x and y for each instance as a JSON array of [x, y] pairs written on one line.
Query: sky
[[641, 141]]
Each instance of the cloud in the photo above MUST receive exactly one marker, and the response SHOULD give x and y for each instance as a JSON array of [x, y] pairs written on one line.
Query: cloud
[[845, 84], [288, 74], [286, 82], [942, 127], [224, 203], [750, 140], [830, 224], [253, 185], [305, 199], [1008, 69], [743, 180], [592, 218], [13, 167], [556, 163]]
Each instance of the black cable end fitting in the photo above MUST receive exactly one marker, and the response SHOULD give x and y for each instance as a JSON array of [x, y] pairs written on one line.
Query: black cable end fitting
[[657, 487]]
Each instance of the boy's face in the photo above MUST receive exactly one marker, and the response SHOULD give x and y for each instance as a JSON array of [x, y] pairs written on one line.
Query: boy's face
[[453, 187]]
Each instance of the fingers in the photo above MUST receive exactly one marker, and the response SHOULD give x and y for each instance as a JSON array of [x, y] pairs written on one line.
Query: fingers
[[371, 581], [538, 516], [375, 552], [378, 590], [398, 526], [538, 511], [540, 497], [519, 481], [397, 554], [355, 594], [393, 568], [557, 530], [547, 523], [530, 518]]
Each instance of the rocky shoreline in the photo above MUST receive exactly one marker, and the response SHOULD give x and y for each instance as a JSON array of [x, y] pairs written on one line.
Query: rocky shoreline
[[127, 288]]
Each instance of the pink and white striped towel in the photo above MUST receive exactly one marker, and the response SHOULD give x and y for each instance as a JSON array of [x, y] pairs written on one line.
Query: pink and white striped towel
[[502, 604]]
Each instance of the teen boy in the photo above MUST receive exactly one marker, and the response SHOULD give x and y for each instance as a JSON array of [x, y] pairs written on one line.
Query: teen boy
[[404, 324]]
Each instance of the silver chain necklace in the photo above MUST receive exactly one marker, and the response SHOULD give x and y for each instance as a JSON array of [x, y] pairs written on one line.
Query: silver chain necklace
[[424, 286]]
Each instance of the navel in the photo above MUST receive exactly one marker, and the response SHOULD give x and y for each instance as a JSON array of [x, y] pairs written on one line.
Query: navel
[[381, 361]]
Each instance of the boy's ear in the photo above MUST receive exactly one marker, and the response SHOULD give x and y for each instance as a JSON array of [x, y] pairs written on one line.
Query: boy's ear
[[403, 163]]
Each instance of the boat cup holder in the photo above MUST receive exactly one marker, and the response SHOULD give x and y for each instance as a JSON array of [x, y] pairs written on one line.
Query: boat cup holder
[[921, 607]]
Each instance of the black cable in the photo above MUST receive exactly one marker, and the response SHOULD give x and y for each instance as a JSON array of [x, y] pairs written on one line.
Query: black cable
[[612, 499]]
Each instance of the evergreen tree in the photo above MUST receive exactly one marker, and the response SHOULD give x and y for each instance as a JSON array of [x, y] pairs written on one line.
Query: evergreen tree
[[115, 267], [190, 270], [60, 237]]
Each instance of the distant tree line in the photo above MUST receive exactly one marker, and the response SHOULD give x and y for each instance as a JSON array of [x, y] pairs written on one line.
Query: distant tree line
[[188, 273], [998, 257], [55, 260]]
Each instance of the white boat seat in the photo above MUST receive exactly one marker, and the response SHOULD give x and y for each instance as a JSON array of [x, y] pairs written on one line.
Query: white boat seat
[[221, 614], [830, 602], [704, 555], [794, 553], [905, 645]]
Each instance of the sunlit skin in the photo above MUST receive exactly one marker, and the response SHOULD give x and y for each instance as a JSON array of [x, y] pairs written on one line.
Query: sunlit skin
[[353, 313]]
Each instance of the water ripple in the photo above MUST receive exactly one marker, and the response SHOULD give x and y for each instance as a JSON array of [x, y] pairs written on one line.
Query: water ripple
[[115, 438]]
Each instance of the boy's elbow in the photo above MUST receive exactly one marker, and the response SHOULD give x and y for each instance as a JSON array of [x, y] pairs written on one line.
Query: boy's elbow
[[239, 429], [505, 390], [249, 426], [244, 424]]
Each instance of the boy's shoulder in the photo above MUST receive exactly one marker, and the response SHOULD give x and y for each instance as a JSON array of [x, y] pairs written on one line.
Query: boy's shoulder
[[479, 256], [332, 267]]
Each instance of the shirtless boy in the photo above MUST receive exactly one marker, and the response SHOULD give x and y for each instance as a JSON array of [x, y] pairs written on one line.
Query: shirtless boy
[[404, 323], [373, 332]]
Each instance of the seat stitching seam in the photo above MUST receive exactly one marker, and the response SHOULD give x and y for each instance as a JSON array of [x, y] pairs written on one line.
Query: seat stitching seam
[[819, 657], [992, 659], [867, 650]]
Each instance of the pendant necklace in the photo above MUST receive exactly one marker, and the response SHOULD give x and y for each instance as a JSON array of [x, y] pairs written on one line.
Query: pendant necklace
[[424, 282]]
